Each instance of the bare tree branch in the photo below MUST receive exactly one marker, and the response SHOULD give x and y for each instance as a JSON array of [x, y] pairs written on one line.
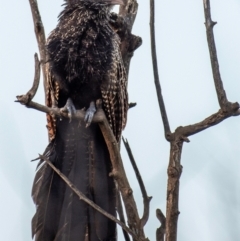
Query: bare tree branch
[[121, 215], [163, 111], [119, 175], [176, 147], [31, 93], [222, 97], [40, 36], [208, 122], [181, 133], [161, 230], [99, 115], [146, 198]]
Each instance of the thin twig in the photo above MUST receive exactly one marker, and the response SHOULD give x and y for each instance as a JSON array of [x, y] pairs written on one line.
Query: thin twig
[[85, 199], [222, 97], [146, 198], [121, 215], [163, 111], [40, 36]]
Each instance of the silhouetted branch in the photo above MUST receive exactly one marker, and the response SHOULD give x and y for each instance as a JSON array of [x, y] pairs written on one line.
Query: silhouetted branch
[[161, 230], [163, 111], [146, 198]]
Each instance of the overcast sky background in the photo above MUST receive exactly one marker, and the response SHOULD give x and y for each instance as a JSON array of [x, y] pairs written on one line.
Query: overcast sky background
[[210, 182]]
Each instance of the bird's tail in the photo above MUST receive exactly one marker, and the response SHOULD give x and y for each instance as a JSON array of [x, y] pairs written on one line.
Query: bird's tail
[[80, 154]]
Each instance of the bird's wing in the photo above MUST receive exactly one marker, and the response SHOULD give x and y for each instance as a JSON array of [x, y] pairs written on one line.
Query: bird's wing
[[52, 95], [114, 93]]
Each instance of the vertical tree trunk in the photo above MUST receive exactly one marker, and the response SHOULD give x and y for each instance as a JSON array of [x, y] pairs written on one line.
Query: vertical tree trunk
[[174, 173]]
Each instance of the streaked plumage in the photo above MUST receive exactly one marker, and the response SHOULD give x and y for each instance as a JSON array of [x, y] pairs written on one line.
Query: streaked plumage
[[86, 61], [85, 65]]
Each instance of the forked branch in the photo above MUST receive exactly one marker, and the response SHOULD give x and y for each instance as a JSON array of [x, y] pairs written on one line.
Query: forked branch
[[181, 134]]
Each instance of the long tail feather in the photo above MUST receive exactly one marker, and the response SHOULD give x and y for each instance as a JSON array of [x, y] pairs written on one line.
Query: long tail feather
[[81, 154]]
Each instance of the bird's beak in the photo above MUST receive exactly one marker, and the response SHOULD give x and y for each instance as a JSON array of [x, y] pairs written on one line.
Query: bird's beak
[[114, 2]]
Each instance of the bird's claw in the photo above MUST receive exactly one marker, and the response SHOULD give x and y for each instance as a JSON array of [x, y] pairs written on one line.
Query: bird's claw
[[69, 108], [89, 114]]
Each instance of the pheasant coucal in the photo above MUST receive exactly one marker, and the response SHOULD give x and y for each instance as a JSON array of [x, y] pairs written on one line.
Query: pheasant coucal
[[85, 65]]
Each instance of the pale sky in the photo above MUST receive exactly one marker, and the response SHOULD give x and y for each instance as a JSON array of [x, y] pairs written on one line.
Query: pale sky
[[210, 183]]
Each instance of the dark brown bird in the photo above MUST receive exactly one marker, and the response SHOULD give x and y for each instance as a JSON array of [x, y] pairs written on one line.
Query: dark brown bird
[[85, 65]]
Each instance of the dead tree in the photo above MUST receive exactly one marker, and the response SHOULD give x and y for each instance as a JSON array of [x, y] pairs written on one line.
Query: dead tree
[[123, 23]]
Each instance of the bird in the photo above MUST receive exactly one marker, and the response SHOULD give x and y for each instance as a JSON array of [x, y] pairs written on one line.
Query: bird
[[85, 65]]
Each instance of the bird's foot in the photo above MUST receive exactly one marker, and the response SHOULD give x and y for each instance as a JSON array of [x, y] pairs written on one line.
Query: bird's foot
[[90, 113], [69, 108]]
